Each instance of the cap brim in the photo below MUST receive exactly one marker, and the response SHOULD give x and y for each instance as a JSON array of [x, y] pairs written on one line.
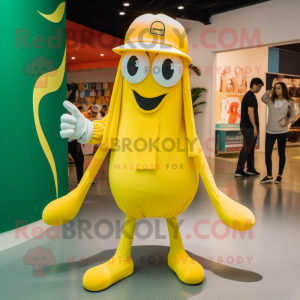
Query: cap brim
[[150, 47]]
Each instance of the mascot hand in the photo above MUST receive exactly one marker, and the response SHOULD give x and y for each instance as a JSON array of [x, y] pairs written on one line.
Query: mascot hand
[[75, 126]]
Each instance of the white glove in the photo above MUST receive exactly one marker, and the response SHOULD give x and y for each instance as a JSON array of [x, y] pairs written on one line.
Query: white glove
[[75, 126]]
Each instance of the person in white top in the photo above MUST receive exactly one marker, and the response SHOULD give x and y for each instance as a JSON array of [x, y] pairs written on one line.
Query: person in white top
[[282, 112], [102, 113]]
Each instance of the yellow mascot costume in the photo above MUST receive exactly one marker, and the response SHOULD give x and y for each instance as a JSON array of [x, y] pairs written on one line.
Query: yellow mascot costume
[[156, 154]]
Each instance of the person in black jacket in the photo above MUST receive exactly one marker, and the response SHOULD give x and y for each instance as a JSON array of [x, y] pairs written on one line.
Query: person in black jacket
[[71, 91], [249, 127]]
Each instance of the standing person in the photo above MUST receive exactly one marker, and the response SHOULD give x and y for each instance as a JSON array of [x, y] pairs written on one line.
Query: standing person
[[91, 115], [92, 112], [81, 109], [71, 91], [74, 148], [104, 111], [249, 127], [281, 112]]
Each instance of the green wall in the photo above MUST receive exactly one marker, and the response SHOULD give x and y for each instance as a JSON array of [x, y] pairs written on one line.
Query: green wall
[[26, 178]]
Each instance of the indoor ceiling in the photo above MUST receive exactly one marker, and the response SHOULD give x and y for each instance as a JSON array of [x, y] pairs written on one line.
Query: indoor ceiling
[[290, 47], [95, 53], [104, 15]]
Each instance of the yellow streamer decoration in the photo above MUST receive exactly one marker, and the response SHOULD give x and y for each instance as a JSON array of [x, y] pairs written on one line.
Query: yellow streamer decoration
[[57, 15], [46, 84]]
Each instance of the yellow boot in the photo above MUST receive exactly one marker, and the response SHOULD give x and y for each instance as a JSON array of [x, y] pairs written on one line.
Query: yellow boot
[[188, 270], [118, 267]]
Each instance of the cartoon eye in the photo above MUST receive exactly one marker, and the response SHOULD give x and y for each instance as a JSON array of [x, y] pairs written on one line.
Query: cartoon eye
[[36, 68], [43, 258], [167, 69], [44, 68], [135, 66], [35, 258]]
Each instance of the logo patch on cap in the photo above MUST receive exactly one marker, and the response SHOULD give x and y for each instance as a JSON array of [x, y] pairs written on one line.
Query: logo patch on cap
[[157, 28]]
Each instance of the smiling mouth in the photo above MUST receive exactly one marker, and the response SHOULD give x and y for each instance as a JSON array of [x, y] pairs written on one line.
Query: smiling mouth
[[147, 103]]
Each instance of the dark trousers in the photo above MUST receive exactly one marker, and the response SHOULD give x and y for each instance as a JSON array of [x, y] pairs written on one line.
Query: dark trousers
[[247, 152], [74, 148], [281, 144]]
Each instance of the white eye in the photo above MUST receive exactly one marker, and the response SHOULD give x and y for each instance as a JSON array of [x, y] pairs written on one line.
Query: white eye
[[135, 66], [167, 69]]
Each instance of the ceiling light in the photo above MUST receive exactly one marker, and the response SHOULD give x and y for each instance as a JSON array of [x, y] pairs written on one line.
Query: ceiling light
[[126, 4], [122, 13], [180, 7], [102, 54], [73, 57]]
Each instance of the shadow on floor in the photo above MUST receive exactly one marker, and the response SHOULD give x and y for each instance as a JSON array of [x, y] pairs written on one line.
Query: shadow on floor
[[152, 274]]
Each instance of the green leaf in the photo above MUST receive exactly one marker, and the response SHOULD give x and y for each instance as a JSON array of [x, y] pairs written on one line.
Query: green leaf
[[198, 104], [195, 69], [196, 93]]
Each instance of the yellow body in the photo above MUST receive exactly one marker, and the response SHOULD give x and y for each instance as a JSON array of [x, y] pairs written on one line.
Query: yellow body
[[167, 190], [150, 181]]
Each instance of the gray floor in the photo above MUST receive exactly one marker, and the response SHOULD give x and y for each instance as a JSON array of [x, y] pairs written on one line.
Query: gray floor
[[265, 265]]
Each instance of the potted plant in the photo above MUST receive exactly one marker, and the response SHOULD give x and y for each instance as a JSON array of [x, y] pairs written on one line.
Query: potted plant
[[196, 94]]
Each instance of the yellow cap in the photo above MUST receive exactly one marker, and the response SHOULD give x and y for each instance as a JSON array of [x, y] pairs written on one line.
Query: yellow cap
[[156, 33]]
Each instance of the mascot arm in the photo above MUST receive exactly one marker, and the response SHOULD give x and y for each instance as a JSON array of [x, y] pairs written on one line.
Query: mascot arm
[[64, 209], [99, 128], [231, 213]]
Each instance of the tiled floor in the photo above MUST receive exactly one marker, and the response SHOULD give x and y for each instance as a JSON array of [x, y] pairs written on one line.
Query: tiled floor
[[263, 264]]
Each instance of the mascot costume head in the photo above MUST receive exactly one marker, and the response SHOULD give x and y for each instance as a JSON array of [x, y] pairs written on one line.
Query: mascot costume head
[[155, 45], [156, 157]]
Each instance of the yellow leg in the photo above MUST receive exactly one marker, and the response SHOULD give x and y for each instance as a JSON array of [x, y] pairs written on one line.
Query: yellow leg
[[188, 270], [118, 267]]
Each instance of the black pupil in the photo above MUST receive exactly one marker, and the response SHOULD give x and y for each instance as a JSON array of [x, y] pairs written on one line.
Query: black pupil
[[166, 69], [131, 68]]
